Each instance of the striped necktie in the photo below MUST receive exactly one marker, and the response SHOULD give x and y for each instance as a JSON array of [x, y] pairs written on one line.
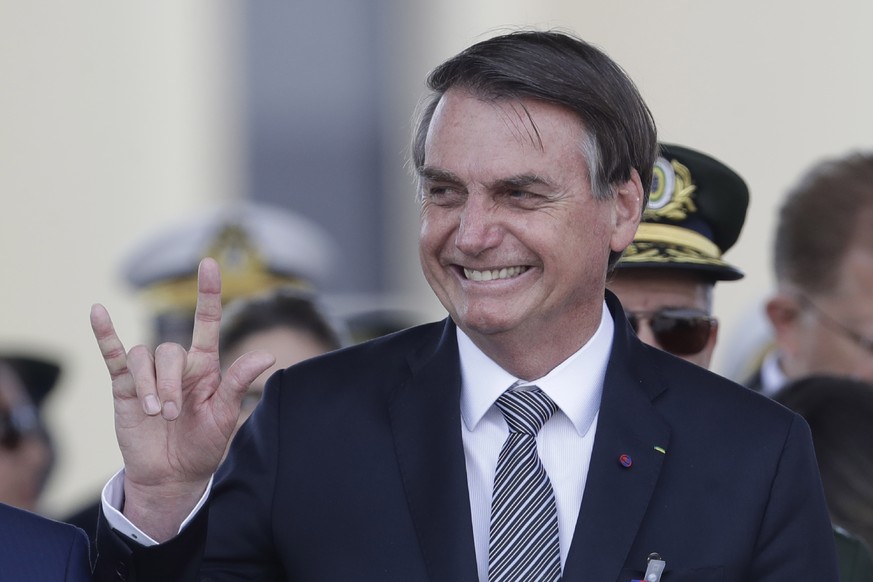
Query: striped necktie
[[523, 542]]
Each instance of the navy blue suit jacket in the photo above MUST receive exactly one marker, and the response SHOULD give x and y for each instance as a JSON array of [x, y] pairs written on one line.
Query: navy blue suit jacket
[[36, 549], [352, 468]]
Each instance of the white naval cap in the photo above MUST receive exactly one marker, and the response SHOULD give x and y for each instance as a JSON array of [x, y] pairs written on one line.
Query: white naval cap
[[258, 247]]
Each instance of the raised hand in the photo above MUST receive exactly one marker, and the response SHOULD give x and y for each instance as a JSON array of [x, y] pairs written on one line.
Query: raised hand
[[174, 411]]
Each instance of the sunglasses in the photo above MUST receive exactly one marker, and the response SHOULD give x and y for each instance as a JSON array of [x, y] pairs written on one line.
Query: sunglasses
[[16, 424], [683, 332]]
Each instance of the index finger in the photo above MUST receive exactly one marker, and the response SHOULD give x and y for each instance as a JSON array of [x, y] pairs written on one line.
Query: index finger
[[207, 315]]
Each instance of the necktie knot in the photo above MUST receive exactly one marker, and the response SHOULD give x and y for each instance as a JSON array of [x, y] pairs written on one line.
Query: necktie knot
[[526, 410]]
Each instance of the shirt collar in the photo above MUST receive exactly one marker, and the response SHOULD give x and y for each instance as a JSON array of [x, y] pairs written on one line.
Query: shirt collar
[[575, 384]]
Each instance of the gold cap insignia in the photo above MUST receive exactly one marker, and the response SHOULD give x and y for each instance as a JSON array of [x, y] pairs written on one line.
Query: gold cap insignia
[[671, 195]]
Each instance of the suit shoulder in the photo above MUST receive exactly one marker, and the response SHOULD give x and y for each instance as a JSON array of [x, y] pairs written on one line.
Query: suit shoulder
[[385, 361], [697, 389], [394, 349], [15, 520], [33, 545]]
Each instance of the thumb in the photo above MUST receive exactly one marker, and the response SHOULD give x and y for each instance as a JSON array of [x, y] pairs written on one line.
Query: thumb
[[244, 371]]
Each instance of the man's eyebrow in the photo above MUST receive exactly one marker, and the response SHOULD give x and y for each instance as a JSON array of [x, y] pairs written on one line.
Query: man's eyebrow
[[520, 181], [510, 182], [437, 175]]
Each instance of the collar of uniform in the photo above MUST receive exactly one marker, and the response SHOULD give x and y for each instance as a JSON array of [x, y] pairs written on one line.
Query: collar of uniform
[[575, 384], [772, 376]]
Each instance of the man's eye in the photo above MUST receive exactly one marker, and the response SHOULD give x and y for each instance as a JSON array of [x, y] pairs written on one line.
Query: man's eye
[[524, 198], [443, 195]]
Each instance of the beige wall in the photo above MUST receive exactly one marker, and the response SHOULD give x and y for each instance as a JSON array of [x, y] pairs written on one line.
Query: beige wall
[[115, 117]]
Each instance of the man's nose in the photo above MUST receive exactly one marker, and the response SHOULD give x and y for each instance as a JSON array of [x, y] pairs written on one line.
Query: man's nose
[[478, 228]]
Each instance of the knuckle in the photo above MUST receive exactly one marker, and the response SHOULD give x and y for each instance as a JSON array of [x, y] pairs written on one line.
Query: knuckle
[[166, 385], [115, 353], [116, 376]]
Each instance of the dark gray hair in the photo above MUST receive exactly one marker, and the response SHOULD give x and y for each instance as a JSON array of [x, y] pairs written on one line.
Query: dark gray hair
[[564, 70]]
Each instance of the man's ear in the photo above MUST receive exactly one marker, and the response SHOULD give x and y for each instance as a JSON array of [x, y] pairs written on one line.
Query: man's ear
[[784, 311], [628, 211]]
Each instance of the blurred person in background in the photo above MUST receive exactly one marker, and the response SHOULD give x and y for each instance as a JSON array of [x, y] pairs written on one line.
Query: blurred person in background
[[32, 548], [839, 412], [665, 279], [822, 312], [26, 454]]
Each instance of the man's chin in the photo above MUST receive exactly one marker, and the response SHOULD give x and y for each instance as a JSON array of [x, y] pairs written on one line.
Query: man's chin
[[484, 324]]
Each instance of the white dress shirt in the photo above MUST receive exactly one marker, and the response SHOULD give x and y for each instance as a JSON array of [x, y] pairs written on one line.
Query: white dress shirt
[[564, 443]]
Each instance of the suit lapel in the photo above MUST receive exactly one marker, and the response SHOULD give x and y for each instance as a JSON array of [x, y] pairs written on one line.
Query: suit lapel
[[616, 496], [426, 425]]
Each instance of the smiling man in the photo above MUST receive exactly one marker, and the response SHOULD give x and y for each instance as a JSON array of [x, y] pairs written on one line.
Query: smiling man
[[530, 436], [501, 238]]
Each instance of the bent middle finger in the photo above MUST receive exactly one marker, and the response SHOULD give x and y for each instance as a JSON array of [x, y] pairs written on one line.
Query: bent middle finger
[[141, 364], [170, 361]]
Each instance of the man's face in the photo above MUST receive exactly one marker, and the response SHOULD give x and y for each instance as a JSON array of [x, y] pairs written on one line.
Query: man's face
[[512, 241], [645, 292], [814, 335]]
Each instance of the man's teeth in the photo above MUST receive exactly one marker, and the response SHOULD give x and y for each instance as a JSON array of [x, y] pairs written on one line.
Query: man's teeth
[[505, 273]]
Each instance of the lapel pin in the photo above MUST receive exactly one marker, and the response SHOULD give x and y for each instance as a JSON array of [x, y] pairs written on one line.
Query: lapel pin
[[626, 461]]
